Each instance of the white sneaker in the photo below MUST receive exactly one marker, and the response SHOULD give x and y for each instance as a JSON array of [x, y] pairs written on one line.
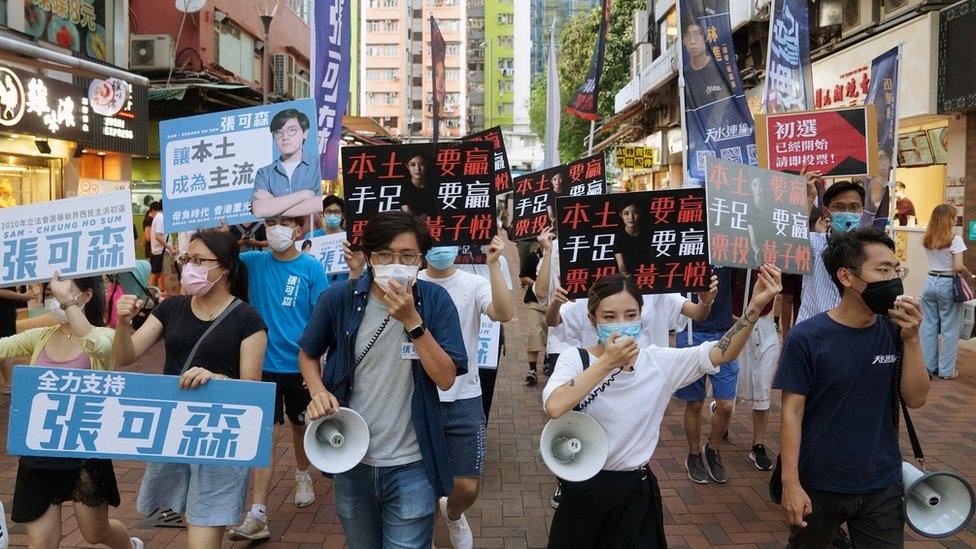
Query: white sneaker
[[253, 529], [461, 536], [136, 543], [304, 492]]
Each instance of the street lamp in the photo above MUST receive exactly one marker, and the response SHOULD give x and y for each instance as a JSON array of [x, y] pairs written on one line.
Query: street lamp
[[266, 16]]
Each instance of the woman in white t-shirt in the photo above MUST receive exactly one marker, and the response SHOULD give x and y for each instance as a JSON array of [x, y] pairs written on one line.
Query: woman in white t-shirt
[[941, 315], [627, 390]]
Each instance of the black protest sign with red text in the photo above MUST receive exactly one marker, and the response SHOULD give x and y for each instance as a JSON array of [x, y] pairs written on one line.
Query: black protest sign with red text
[[535, 193], [503, 173], [757, 216], [448, 185], [657, 237]]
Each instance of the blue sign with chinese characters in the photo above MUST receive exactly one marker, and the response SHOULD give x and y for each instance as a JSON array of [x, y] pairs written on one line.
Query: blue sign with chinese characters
[[72, 413], [240, 165], [83, 236]]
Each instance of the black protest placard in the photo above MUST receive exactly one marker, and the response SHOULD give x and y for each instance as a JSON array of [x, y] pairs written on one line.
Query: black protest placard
[[448, 185], [757, 216], [535, 193], [657, 237], [503, 173]]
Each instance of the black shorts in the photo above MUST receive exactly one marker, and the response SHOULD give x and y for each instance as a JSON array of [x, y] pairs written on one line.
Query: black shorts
[[156, 263], [291, 397], [90, 482]]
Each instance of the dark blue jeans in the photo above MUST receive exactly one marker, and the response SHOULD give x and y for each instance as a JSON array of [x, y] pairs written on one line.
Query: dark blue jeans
[[386, 507], [873, 520]]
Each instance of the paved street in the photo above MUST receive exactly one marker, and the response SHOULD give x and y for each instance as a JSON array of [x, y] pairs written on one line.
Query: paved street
[[514, 510]]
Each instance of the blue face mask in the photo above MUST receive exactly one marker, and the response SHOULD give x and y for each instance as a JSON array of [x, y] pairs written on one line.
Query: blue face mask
[[442, 257], [844, 221], [625, 329], [333, 220]]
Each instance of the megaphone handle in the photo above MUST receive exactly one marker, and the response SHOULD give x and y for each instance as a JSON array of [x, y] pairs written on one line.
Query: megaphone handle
[[913, 437]]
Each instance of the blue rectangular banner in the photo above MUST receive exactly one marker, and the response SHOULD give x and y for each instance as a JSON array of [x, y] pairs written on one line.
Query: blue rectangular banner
[[789, 83], [240, 165], [330, 62], [70, 413], [717, 122]]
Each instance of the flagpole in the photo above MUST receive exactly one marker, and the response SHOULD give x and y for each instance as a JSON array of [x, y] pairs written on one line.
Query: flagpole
[[890, 228], [681, 100], [592, 129], [435, 130]]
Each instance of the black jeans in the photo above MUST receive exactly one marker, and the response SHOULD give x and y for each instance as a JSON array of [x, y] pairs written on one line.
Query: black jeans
[[873, 520]]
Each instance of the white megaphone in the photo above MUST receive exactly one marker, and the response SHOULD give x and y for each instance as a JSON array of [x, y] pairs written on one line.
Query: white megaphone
[[337, 443], [938, 504], [574, 447]]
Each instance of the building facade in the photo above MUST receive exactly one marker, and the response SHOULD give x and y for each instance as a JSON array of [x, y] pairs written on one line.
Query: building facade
[[543, 13]]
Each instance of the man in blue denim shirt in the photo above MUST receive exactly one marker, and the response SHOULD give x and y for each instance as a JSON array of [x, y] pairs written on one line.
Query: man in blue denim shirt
[[392, 494], [291, 186]]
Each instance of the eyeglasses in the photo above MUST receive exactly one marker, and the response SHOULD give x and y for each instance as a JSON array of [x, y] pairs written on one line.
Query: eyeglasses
[[195, 260], [887, 273], [290, 132], [385, 257], [333, 211], [843, 208]]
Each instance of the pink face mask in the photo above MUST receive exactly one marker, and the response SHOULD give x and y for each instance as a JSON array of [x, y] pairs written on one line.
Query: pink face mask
[[194, 279]]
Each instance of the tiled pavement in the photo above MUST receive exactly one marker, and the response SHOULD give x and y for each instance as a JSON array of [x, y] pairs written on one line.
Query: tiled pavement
[[513, 510]]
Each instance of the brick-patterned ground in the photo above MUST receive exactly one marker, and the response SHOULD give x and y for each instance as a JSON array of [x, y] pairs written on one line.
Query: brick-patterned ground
[[514, 511]]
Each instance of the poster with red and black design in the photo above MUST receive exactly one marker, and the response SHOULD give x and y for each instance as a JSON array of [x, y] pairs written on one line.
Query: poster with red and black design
[[757, 216], [535, 193], [448, 185], [503, 173], [657, 237], [836, 143]]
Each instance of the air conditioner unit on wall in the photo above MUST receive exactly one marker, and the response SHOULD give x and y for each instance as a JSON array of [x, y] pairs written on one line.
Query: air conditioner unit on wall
[[858, 15], [151, 52], [284, 66]]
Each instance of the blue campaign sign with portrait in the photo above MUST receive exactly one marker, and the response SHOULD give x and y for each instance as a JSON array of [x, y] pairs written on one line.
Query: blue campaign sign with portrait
[[240, 165], [83, 236], [71, 413], [717, 118]]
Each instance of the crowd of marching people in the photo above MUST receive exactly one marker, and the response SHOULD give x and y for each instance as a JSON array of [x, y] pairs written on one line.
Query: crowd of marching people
[[395, 340]]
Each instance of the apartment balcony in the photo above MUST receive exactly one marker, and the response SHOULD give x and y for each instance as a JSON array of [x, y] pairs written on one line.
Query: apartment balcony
[[651, 77]]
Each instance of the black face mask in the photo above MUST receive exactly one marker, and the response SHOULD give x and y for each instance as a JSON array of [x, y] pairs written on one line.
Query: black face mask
[[880, 296]]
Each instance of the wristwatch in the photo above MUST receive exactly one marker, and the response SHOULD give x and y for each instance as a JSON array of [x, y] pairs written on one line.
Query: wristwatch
[[417, 332], [71, 302]]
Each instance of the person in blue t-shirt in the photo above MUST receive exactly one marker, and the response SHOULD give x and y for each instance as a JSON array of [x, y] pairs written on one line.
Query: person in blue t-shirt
[[284, 286], [333, 221], [840, 458]]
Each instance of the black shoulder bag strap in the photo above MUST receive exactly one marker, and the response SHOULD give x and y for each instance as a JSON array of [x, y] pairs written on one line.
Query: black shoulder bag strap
[[897, 404], [585, 359], [193, 352]]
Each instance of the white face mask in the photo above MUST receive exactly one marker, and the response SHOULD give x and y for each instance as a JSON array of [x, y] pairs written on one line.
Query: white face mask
[[280, 238], [56, 311], [403, 274]]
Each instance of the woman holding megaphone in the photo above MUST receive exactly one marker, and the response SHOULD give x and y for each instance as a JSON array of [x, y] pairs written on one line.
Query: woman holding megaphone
[[627, 389]]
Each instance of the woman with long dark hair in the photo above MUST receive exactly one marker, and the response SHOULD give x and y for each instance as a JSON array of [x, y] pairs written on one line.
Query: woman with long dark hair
[[627, 390], [211, 497], [79, 340]]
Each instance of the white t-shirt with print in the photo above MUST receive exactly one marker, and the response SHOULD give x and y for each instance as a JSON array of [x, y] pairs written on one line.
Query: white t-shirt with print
[[633, 405], [472, 297], [156, 229]]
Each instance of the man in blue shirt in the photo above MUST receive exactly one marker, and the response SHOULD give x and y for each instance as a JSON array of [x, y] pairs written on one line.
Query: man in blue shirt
[[283, 285], [840, 458], [391, 342], [291, 186]]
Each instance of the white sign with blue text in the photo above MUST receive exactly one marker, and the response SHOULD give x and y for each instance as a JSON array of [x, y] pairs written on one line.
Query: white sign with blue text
[[328, 250], [83, 236], [240, 165], [71, 413]]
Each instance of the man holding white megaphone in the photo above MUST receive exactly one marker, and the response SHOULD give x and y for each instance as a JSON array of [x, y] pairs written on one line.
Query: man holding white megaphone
[[626, 389]]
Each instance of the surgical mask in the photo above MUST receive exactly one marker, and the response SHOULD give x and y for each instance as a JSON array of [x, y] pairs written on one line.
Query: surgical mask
[[54, 308], [625, 329], [194, 279], [280, 238], [442, 257], [403, 274], [880, 296], [842, 222], [333, 221]]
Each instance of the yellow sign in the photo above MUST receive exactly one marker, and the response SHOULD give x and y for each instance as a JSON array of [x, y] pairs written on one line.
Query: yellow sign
[[636, 157]]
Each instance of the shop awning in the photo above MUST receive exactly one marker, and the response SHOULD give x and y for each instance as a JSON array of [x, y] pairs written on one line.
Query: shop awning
[[33, 54], [626, 133], [362, 130]]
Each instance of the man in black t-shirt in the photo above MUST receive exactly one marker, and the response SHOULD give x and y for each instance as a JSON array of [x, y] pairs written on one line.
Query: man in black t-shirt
[[538, 332], [704, 82]]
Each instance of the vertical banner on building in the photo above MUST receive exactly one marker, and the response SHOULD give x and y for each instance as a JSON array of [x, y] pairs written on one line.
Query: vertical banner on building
[[438, 49], [789, 82], [447, 185], [330, 61], [717, 119], [657, 237], [553, 104], [883, 94], [584, 102]]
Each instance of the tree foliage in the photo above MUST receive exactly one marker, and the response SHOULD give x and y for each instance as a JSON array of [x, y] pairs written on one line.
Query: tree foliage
[[573, 54]]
